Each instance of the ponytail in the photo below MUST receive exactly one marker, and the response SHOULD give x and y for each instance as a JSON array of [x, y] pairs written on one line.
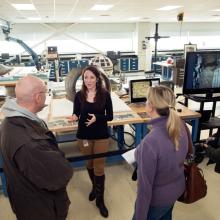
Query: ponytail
[[163, 99], [173, 127]]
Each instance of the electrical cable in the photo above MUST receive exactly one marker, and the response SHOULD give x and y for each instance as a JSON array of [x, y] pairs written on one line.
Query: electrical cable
[[124, 143]]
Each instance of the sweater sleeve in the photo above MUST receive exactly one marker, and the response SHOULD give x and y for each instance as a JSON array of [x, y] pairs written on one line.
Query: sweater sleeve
[[147, 163], [77, 105], [46, 168], [108, 116]]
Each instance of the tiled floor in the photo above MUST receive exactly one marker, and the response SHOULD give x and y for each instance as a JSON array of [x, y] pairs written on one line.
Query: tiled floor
[[120, 196]]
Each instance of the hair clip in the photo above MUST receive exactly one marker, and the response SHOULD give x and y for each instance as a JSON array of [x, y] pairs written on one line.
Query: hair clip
[[172, 107]]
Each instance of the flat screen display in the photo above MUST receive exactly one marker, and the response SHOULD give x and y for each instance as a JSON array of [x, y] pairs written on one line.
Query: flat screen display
[[138, 89], [202, 72]]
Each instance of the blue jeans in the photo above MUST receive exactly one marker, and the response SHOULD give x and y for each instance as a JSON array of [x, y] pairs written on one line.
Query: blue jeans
[[159, 213]]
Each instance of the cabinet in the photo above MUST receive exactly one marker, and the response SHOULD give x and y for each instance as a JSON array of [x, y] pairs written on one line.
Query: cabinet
[[133, 64], [124, 64], [128, 64], [64, 67], [52, 71], [83, 63], [166, 70], [208, 119], [78, 63]]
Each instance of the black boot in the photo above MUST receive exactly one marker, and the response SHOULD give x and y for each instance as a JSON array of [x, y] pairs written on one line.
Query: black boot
[[92, 177], [99, 186]]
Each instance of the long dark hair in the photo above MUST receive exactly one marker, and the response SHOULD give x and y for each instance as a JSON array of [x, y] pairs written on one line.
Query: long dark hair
[[100, 90]]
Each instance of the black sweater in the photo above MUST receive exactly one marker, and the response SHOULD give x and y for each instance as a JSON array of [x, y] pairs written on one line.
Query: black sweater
[[104, 113]]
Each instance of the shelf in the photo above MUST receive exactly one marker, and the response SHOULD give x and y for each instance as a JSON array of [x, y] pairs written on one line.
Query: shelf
[[213, 122], [202, 99]]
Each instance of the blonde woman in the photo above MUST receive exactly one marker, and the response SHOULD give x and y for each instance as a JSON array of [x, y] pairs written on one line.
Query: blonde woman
[[159, 157]]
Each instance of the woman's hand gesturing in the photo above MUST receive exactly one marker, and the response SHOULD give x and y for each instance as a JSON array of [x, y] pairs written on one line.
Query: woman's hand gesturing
[[90, 120]]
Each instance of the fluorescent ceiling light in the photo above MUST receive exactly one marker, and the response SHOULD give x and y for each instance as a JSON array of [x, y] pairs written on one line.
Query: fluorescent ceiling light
[[24, 7], [216, 9], [134, 18], [34, 18], [169, 7], [86, 18], [101, 7]]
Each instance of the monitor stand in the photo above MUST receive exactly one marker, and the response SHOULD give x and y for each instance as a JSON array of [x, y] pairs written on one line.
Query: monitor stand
[[209, 95], [201, 98]]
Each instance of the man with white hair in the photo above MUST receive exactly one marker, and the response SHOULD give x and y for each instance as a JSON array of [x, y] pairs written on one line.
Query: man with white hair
[[37, 172]]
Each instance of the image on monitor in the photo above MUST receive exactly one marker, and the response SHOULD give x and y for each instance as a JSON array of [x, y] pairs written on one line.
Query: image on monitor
[[140, 88], [202, 72]]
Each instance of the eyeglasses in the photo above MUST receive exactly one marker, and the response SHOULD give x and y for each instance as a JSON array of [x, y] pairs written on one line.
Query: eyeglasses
[[46, 92]]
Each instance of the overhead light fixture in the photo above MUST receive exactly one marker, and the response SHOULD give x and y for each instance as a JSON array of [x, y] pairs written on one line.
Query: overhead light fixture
[[216, 9], [169, 8], [101, 7], [24, 7], [134, 18], [86, 18], [34, 18]]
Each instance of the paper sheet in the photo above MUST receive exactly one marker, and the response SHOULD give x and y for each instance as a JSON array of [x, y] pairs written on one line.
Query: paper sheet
[[119, 105], [129, 156]]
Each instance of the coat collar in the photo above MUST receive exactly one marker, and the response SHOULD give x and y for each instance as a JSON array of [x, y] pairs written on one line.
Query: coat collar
[[33, 128]]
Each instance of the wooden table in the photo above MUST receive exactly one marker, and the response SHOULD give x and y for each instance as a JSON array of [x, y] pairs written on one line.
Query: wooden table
[[185, 113], [136, 116], [61, 124]]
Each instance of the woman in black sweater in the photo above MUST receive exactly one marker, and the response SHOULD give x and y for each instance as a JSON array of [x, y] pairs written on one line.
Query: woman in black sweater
[[93, 109]]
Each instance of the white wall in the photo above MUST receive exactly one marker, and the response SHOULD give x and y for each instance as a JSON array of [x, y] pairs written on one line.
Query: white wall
[[205, 35], [103, 37]]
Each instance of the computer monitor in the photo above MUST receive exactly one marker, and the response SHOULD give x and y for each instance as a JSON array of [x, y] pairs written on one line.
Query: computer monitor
[[52, 53], [138, 88], [52, 50], [202, 73]]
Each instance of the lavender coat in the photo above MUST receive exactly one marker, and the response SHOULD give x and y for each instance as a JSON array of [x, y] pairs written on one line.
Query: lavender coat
[[160, 175]]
